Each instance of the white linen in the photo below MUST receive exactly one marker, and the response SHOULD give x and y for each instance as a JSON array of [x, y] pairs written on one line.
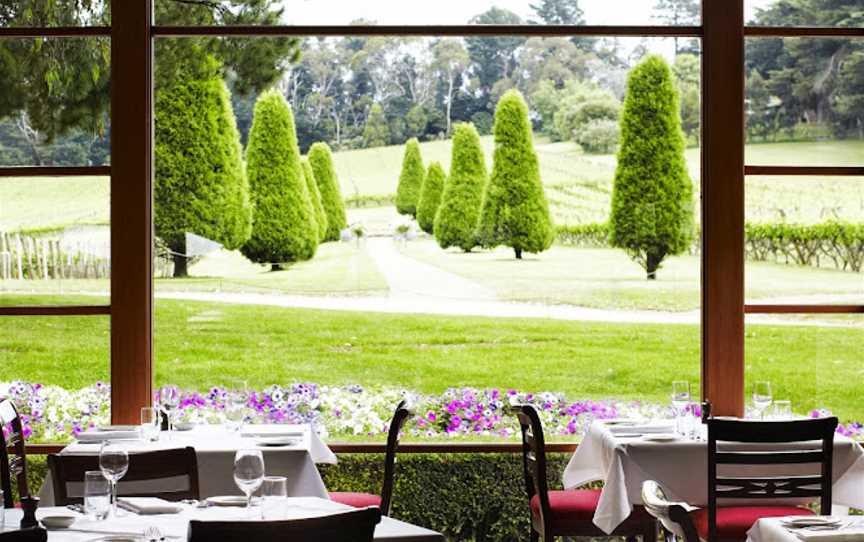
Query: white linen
[[175, 526], [679, 466], [772, 530], [100, 436], [650, 428], [148, 505], [215, 447]]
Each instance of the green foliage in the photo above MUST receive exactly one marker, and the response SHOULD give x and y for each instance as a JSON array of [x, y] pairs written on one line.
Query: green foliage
[[515, 212], [200, 185], [284, 228], [581, 105], [652, 197], [361, 201], [457, 218], [430, 197], [321, 160], [377, 132], [416, 121], [599, 136], [593, 235], [688, 76], [840, 242], [410, 179], [315, 196]]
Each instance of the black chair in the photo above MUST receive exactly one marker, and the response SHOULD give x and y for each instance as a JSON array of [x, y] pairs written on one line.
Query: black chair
[[383, 501], [14, 465], [25, 535], [158, 465], [353, 526], [780, 445], [565, 513]]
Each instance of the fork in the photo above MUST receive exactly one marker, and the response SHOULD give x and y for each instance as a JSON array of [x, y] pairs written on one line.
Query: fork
[[153, 534]]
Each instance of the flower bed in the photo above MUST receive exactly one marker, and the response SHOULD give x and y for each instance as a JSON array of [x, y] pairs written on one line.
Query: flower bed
[[53, 414]]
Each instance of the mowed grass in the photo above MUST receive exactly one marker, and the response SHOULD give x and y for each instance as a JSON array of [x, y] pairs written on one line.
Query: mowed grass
[[198, 345], [50, 202]]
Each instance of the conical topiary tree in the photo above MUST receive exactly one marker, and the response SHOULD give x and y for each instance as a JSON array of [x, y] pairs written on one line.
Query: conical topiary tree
[[456, 222], [430, 196], [321, 160], [315, 196], [410, 180], [515, 211], [284, 228], [652, 199], [200, 185]]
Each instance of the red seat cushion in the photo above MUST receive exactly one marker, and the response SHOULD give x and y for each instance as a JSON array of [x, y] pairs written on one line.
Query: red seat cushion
[[574, 510], [733, 522], [357, 500]]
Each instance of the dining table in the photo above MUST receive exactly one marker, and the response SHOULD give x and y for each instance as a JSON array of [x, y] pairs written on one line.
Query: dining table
[[289, 450], [623, 455], [847, 529], [175, 526]]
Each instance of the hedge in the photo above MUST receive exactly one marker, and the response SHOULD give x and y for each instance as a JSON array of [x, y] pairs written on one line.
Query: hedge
[[365, 202]]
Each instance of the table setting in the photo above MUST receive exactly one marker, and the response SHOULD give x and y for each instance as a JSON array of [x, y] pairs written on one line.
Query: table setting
[[808, 529]]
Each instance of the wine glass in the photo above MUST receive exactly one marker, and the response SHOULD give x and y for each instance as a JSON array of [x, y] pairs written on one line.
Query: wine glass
[[680, 399], [169, 400], [762, 397], [248, 472], [113, 462]]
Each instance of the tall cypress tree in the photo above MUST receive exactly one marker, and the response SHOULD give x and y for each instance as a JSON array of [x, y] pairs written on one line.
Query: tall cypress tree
[[200, 186], [430, 196], [515, 212], [410, 180], [456, 222], [652, 199], [315, 196], [321, 160], [284, 228]]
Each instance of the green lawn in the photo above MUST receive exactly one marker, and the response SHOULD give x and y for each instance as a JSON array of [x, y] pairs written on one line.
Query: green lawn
[[201, 344], [50, 202]]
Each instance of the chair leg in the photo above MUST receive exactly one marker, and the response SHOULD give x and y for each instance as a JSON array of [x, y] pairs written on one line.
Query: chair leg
[[631, 539], [535, 536], [650, 534]]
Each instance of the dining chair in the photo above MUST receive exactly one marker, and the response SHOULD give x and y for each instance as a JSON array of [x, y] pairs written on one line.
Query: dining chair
[[353, 526], [145, 466], [25, 535], [781, 450], [382, 501], [14, 465], [557, 513]]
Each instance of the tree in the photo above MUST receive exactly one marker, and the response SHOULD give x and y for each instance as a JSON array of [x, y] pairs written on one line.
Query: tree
[[450, 61], [321, 160], [493, 58], [315, 196], [456, 221], [678, 13], [688, 77], [559, 12], [200, 186], [652, 198], [284, 228], [430, 197], [376, 133], [515, 212], [410, 180]]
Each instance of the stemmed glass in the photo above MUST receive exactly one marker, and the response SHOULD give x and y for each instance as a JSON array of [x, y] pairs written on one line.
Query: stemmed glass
[[169, 400], [248, 472], [113, 462], [680, 400], [762, 397]]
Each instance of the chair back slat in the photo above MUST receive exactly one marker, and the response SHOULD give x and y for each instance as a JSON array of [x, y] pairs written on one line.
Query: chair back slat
[[400, 416], [768, 488], [157, 465], [13, 459], [354, 526], [769, 458], [25, 535], [534, 458]]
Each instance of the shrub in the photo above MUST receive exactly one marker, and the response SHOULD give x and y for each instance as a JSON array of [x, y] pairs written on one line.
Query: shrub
[[410, 180], [199, 183], [841, 243], [284, 228], [599, 136], [457, 218], [376, 133], [652, 196], [361, 201], [321, 160], [483, 121], [430, 197], [315, 196], [594, 235], [515, 212], [578, 104]]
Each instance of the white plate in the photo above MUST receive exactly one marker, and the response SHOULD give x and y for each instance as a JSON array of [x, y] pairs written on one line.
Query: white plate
[[227, 500], [184, 426], [276, 441], [58, 522], [661, 437], [810, 521], [120, 538]]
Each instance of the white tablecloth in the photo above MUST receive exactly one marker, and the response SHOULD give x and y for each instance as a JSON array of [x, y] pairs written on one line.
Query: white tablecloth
[[175, 526], [681, 467], [215, 447], [770, 530]]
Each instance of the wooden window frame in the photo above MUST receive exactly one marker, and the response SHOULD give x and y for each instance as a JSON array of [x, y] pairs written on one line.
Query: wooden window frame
[[132, 34]]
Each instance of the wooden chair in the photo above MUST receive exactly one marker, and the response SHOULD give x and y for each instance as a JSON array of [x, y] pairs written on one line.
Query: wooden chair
[[158, 465], [14, 464], [353, 526], [25, 535], [383, 501], [565, 513], [813, 444]]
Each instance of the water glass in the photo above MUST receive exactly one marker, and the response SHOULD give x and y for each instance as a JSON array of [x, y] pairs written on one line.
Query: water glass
[[274, 496], [680, 399], [762, 397], [169, 400], [248, 472], [234, 417], [150, 424], [782, 410], [113, 462], [97, 495]]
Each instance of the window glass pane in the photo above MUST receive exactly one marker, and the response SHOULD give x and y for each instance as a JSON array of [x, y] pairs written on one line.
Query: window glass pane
[[56, 368], [804, 240], [55, 102], [381, 307], [805, 101], [54, 240], [37, 13], [845, 13], [342, 12]]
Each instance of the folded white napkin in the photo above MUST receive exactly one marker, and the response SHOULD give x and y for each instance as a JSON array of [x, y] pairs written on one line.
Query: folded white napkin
[[148, 505], [270, 431], [642, 428], [840, 535], [99, 436]]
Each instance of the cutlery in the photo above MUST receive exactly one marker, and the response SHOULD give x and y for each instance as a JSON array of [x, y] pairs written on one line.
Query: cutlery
[[76, 508], [153, 534]]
